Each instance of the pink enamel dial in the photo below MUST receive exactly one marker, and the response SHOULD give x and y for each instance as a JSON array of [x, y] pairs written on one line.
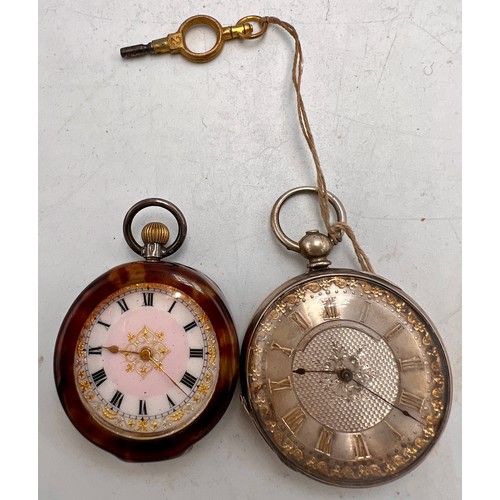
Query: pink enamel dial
[[146, 358], [147, 361]]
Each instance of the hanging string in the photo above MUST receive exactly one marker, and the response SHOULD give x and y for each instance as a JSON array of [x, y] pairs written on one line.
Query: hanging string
[[336, 229]]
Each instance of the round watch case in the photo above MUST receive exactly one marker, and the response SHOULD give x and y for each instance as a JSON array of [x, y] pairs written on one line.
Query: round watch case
[[345, 377], [343, 374], [146, 359]]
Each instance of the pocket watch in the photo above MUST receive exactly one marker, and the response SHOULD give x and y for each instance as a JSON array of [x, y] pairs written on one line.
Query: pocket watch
[[146, 359], [344, 375]]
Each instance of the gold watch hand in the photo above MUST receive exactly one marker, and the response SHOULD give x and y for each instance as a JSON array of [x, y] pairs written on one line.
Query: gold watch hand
[[146, 355], [115, 349]]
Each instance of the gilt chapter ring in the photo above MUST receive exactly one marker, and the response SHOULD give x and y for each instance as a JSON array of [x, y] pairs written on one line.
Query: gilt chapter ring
[[154, 202], [275, 214]]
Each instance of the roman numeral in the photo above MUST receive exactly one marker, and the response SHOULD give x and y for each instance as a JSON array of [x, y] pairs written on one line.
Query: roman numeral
[[117, 399], [188, 380], [170, 402], [99, 377], [411, 364], [172, 306], [123, 305], [95, 350], [279, 385], [411, 400], [147, 298], [195, 353], [393, 331], [300, 320], [285, 350], [190, 326], [359, 447], [142, 407], [330, 309], [105, 325], [394, 432], [294, 419], [324, 444], [364, 312]]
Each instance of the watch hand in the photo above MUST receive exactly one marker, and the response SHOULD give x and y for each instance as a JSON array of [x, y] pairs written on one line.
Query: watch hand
[[146, 355], [115, 349], [346, 376], [404, 412], [302, 371]]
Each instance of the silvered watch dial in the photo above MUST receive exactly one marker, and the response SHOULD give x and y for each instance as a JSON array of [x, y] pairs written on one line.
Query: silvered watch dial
[[346, 378]]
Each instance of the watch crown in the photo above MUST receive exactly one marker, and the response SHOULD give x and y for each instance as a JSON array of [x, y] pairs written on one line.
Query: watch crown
[[155, 232], [155, 236], [315, 247]]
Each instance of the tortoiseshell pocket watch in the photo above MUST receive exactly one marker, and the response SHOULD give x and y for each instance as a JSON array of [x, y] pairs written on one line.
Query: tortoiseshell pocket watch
[[344, 375], [146, 359]]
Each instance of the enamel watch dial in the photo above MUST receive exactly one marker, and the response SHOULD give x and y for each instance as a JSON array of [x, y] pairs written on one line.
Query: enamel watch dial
[[146, 359], [344, 375]]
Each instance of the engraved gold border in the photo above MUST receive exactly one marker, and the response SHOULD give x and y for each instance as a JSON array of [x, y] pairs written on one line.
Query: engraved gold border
[[273, 426], [149, 428]]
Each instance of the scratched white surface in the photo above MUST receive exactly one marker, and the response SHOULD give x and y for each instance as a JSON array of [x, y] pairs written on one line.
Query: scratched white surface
[[221, 140]]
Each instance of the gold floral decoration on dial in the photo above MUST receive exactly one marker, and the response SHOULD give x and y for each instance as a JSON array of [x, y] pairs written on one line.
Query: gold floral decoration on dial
[[147, 361], [145, 338], [346, 378]]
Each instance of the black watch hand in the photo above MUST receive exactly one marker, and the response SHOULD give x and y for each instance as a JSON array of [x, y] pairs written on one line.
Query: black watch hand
[[347, 376], [404, 412], [302, 371]]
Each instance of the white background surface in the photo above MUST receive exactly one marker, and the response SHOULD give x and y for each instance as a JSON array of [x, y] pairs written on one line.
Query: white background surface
[[221, 140]]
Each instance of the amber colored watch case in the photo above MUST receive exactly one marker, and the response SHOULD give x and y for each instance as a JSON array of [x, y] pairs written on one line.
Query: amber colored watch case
[[208, 296]]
